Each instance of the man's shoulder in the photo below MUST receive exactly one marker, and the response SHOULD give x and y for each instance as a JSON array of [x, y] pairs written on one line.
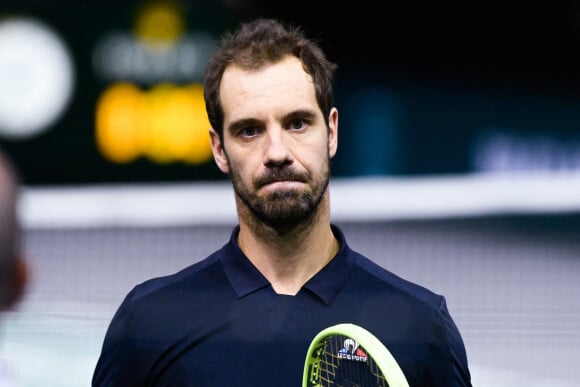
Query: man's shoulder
[[377, 277], [198, 275]]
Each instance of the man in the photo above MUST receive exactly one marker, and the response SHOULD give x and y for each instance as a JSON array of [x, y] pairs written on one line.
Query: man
[[13, 270], [245, 315]]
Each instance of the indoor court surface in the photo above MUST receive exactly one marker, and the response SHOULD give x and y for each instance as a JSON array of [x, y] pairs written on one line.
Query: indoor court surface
[[511, 284]]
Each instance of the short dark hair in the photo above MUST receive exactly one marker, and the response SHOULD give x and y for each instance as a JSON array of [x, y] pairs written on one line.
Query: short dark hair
[[260, 42]]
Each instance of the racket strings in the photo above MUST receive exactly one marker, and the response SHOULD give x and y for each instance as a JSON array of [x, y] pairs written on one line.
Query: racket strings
[[341, 366], [329, 362]]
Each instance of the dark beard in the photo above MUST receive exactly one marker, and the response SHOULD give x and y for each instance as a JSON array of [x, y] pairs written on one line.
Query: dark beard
[[285, 209]]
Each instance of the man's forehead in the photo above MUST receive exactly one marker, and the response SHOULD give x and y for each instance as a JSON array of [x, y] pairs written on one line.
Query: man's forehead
[[282, 86], [287, 70]]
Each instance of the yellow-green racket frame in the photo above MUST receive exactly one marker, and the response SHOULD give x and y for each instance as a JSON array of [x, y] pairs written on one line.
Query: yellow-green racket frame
[[372, 345]]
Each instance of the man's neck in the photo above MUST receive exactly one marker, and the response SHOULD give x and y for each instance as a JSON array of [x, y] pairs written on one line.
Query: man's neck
[[288, 260]]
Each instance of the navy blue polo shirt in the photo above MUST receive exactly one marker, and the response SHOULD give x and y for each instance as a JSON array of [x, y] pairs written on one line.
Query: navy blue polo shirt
[[219, 323]]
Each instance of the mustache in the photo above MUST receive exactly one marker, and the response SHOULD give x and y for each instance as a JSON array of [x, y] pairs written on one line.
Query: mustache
[[283, 174]]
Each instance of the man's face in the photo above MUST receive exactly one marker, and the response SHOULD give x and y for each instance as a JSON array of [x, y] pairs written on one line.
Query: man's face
[[276, 145]]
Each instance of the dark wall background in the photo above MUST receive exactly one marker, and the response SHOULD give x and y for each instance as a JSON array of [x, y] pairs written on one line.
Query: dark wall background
[[424, 88]]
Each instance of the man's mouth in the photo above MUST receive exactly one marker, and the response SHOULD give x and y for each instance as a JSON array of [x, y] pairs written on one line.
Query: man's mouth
[[281, 178]]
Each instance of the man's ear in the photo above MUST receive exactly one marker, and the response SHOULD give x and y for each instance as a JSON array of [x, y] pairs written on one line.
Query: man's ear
[[333, 132], [219, 154], [17, 286]]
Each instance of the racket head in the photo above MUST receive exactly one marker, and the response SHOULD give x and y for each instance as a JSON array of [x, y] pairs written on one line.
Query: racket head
[[349, 355]]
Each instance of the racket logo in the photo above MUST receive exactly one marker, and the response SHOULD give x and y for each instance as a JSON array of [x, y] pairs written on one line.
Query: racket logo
[[352, 351]]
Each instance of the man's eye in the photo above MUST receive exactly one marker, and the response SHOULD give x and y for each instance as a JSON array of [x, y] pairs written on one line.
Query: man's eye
[[249, 131], [297, 124]]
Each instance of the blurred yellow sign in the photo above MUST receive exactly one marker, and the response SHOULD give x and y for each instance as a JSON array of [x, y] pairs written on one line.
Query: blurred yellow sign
[[167, 123], [160, 23]]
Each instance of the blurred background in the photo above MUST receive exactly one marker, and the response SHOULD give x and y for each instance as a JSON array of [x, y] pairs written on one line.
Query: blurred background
[[458, 164]]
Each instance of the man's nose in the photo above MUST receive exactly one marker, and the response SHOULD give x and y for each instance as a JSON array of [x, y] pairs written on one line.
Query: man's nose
[[277, 150]]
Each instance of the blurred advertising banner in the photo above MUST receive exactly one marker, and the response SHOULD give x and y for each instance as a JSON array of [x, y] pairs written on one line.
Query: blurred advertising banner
[[107, 92]]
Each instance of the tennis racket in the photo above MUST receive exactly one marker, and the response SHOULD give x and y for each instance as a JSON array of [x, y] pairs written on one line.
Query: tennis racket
[[348, 355]]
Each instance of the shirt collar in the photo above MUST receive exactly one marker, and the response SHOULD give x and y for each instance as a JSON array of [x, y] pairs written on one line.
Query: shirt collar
[[241, 273], [332, 278], [326, 284]]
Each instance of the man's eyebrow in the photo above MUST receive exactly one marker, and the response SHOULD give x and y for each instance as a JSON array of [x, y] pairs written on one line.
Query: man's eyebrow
[[304, 114], [243, 123], [301, 114]]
